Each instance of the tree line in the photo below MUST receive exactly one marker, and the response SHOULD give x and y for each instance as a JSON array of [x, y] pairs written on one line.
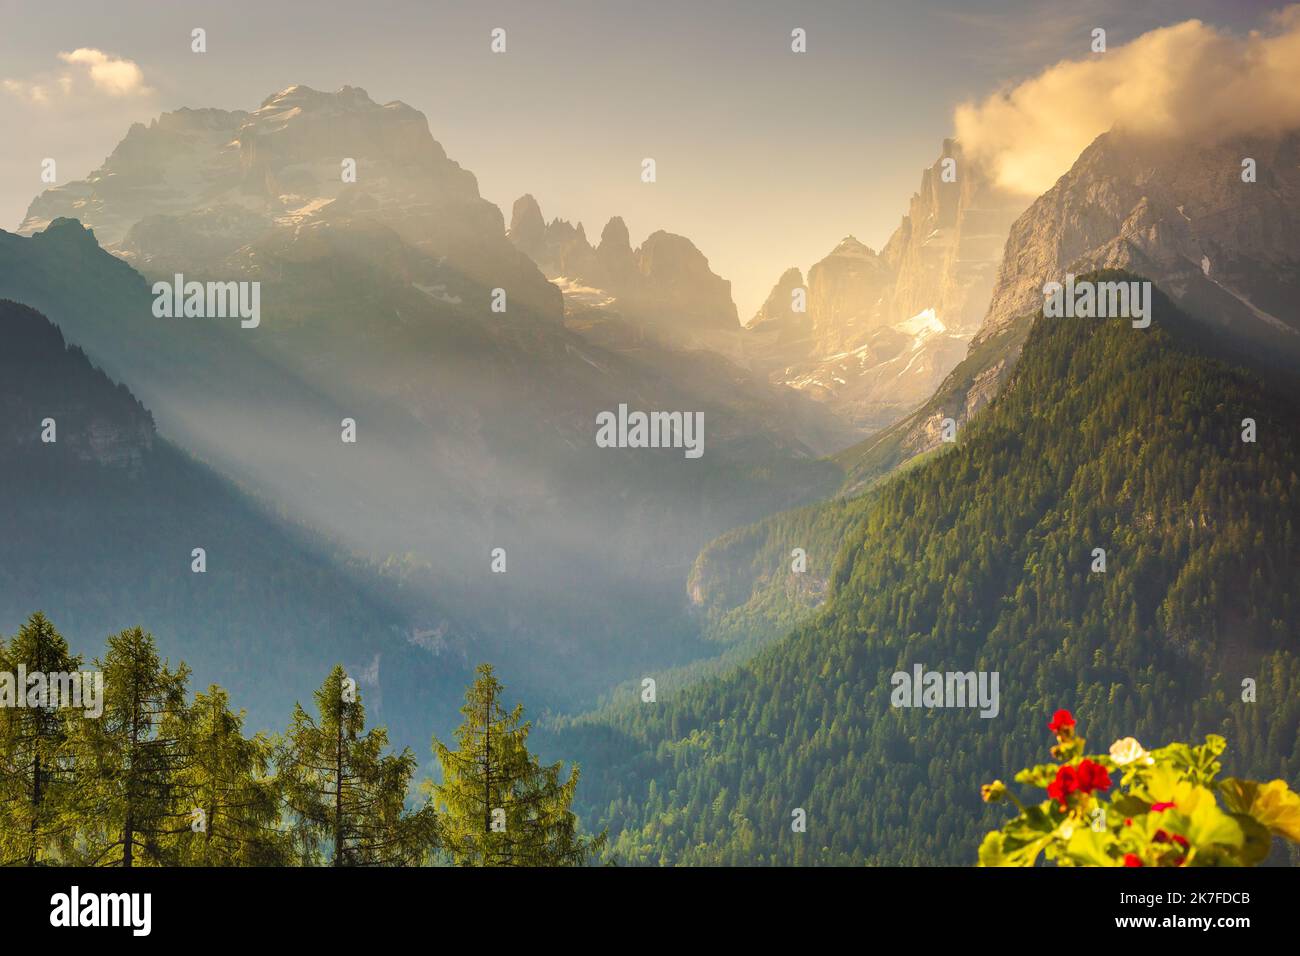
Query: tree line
[[156, 778]]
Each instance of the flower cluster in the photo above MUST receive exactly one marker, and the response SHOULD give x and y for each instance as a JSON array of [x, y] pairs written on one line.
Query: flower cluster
[[1132, 807], [1084, 778]]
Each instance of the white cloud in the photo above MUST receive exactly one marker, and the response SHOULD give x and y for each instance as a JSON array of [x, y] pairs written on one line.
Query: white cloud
[[93, 72], [110, 74], [1184, 80]]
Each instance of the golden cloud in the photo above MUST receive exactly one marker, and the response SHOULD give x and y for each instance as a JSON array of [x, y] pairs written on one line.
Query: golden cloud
[[94, 72], [1186, 80]]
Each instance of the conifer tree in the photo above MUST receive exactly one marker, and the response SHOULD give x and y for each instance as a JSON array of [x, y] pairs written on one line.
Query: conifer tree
[[232, 796], [129, 761], [35, 775], [498, 805], [347, 797]]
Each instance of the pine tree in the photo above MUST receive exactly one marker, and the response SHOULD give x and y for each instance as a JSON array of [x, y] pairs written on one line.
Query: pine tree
[[232, 795], [35, 775], [346, 795], [129, 760], [498, 805]]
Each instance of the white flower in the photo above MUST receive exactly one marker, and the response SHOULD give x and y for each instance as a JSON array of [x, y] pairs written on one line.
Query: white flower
[[1127, 751]]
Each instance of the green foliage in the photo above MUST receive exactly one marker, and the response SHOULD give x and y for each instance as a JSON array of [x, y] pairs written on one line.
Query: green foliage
[[127, 761], [345, 795], [1162, 811], [233, 795], [152, 781], [36, 780], [498, 805]]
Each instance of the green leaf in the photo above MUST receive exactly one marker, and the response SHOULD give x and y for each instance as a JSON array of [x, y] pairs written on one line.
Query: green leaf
[[1258, 841], [1088, 847], [991, 853], [1207, 825], [1273, 804]]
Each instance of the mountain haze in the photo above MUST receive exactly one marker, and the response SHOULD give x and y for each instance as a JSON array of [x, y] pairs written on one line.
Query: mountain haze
[[475, 426]]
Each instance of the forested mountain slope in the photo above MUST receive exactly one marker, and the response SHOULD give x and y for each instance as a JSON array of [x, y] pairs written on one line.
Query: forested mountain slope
[[980, 559], [100, 526]]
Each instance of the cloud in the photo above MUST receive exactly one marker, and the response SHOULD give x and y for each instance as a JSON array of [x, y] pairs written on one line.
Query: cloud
[[93, 72], [34, 92], [110, 74], [1186, 80]]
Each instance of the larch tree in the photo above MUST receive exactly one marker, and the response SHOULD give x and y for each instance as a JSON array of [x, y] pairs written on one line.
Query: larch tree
[[232, 796], [36, 776], [130, 760], [498, 804], [347, 797]]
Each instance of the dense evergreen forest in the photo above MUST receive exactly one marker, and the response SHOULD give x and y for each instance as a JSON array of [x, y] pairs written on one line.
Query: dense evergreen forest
[[142, 774], [982, 558], [100, 526]]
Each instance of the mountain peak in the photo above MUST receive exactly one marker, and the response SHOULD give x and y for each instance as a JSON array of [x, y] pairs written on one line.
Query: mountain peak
[[304, 96], [850, 246], [65, 229], [614, 237], [776, 310], [527, 227]]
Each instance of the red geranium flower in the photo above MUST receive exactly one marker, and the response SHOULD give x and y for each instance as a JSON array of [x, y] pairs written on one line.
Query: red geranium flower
[[1131, 859], [1093, 776], [1066, 783], [1060, 720]]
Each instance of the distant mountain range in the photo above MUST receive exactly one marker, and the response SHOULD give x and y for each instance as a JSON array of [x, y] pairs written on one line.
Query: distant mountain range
[[665, 281], [877, 332], [475, 427]]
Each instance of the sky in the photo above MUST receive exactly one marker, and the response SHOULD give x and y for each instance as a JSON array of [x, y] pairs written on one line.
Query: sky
[[765, 158]]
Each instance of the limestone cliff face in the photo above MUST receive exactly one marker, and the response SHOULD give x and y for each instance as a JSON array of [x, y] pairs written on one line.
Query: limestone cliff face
[[528, 229], [1179, 214], [885, 328], [946, 252], [675, 279], [847, 295]]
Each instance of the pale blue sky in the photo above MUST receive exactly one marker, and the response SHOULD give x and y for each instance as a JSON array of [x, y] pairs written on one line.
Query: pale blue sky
[[765, 159]]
